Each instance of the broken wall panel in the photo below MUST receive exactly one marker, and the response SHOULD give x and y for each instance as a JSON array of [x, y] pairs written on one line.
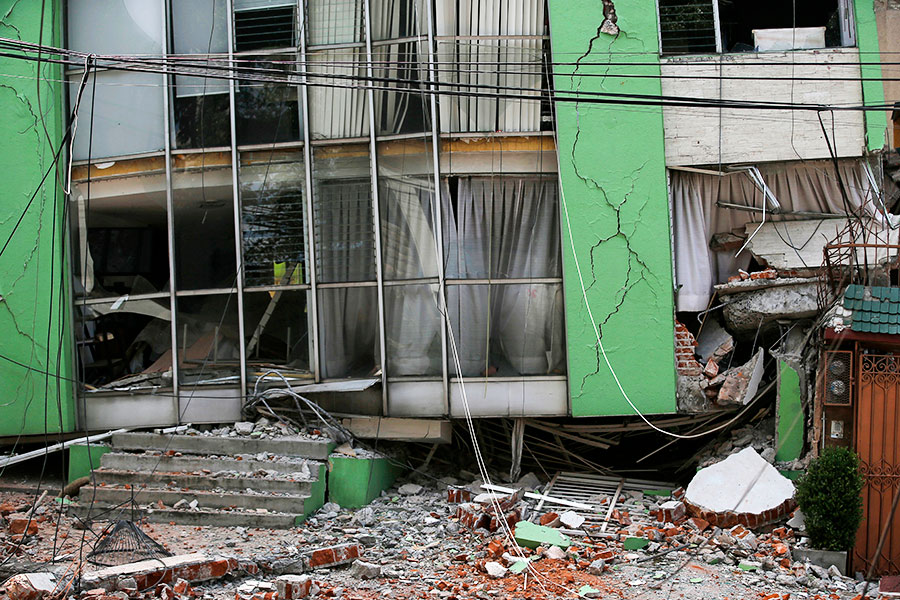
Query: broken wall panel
[[208, 338], [699, 136], [276, 329]]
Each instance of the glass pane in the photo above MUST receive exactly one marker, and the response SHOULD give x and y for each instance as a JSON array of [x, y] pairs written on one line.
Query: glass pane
[[267, 112], [348, 332], [413, 330], [276, 327], [514, 65], [201, 105], [335, 22], [507, 227], [125, 249], [208, 340], [204, 221], [508, 330], [393, 19], [272, 222], [128, 27], [129, 346], [127, 114], [337, 107], [343, 219], [200, 28], [406, 196], [401, 112]]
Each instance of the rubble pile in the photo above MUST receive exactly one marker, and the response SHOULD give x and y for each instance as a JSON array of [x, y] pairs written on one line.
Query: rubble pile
[[263, 428]]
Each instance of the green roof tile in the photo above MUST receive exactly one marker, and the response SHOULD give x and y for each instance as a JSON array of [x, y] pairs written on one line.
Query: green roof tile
[[876, 318], [879, 292], [850, 303], [850, 292], [884, 328], [894, 329], [895, 294]]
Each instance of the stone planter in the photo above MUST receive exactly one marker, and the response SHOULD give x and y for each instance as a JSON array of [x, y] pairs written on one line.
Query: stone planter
[[822, 558]]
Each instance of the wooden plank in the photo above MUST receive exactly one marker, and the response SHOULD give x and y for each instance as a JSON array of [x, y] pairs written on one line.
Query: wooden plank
[[612, 506]]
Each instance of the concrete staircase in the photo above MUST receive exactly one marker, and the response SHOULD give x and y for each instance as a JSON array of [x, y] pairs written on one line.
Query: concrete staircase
[[235, 481]]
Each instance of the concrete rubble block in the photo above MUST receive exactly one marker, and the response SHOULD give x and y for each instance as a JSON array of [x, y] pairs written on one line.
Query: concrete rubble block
[[491, 501], [243, 428], [742, 489], [571, 519], [332, 556], [555, 553], [495, 569], [292, 587], [365, 570], [747, 310], [532, 536], [596, 567], [31, 586], [410, 489], [741, 383], [147, 573]]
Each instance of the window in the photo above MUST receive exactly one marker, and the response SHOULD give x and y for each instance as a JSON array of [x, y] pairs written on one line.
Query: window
[[707, 26], [260, 27]]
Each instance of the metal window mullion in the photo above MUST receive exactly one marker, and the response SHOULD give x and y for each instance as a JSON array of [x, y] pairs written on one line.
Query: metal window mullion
[[717, 24], [308, 187], [170, 221], [373, 163], [436, 204], [236, 200]]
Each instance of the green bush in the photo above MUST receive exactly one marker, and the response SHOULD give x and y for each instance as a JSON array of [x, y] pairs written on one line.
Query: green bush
[[829, 496]]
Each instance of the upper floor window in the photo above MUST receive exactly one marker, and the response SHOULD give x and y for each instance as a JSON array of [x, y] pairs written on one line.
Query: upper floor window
[[708, 26]]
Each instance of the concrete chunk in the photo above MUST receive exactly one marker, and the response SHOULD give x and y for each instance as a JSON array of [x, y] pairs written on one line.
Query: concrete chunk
[[571, 520], [31, 586], [365, 570], [146, 573]]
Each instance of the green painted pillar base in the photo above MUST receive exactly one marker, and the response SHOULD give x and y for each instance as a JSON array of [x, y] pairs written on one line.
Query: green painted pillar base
[[789, 419], [316, 498], [354, 482], [82, 457]]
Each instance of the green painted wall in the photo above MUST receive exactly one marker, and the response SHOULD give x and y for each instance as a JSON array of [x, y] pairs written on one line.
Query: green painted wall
[[26, 266], [84, 459], [873, 91], [355, 482], [613, 179], [790, 417]]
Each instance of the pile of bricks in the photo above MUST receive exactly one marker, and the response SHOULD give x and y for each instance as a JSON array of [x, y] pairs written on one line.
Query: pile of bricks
[[487, 511]]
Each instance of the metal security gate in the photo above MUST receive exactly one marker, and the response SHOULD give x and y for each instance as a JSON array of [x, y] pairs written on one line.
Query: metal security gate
[[878, 445]]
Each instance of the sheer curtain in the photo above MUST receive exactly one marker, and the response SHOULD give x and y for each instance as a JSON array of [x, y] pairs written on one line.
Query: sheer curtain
[[345, 251], [811, 186], [504, 228], [501, 62], [412, 320]]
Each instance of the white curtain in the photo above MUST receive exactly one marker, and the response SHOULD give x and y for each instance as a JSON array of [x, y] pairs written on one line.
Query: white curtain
[[498, 62], [412, 321], [345, 252], [501, 228], [811, 186], [337, 112]]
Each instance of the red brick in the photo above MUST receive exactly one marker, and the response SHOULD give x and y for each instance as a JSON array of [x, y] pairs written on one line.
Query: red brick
[[23, 525], [333, 556], [548, 518], [292, 587], [458, 495]]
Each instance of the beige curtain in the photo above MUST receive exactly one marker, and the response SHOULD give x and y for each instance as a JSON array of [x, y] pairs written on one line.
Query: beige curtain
[[809, 186]]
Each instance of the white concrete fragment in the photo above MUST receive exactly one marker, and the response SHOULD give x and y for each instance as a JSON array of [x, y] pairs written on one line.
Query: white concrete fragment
[[555, 553], [365, 570], [410, 489], [571, 520], [798, 521], [495, 569], [742, 483]]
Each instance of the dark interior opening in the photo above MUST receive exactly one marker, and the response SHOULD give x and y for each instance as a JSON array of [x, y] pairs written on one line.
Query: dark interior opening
[[739, 18]]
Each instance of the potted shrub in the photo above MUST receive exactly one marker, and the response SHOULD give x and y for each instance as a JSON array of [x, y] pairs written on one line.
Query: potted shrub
[[829, 496]]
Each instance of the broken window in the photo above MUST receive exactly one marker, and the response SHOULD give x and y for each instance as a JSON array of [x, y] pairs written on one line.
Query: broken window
[[201, 105], [272, 222], [504, 228], [267, 112], [276, 330], [714, 215], [396, 19], [208, 338], [204, 221], [123, 110], [707, 26], [405, 65]]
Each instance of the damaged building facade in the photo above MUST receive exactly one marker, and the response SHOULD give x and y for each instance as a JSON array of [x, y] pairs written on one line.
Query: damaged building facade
[[377, 203]]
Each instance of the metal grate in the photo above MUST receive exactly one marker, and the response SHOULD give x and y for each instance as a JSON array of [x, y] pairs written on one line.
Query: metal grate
[[125, 543], [838, 376], [687, 26], [264, 28]]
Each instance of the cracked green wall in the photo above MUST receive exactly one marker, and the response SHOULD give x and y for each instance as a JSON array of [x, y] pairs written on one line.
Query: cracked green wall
[[613, 177], [26, 266]]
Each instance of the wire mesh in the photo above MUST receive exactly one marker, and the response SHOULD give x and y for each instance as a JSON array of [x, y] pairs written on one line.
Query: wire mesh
[[125, 543]]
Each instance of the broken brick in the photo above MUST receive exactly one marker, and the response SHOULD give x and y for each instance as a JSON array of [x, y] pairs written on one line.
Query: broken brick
[[332, 556], [458, 495], [291, 587], [23, 525], [30, 586], [550, 519]]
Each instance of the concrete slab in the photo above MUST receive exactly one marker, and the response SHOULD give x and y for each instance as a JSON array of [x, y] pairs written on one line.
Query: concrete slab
[[198, 444], [433, 431], [207, 482], [206, 499], [191, 517], [124, 461]]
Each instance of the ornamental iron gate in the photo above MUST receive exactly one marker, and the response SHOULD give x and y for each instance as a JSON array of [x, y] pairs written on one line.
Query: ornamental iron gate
[[878, 445]]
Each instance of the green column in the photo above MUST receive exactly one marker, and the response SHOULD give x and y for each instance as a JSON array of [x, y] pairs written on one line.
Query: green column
[[790, 418], [873, 90], [613, 179], [34, 266]]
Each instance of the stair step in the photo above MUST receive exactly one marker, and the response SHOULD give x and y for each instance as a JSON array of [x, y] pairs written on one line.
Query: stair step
[[207, 482], [219, 445], [213, 518], [125, 461], [207, 499]]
